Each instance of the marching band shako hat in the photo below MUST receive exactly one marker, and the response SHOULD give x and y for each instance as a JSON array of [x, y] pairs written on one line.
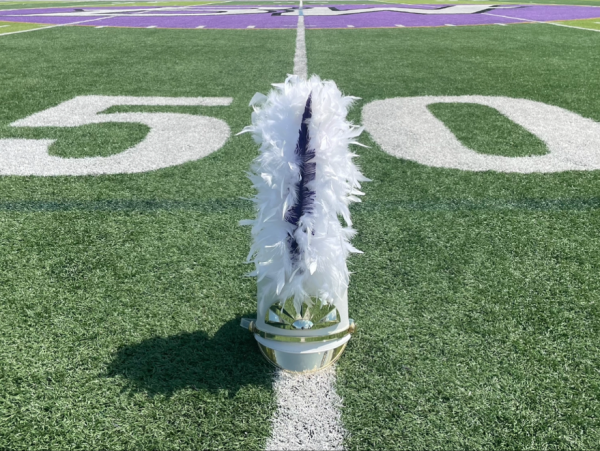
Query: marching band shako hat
[[305, 179]]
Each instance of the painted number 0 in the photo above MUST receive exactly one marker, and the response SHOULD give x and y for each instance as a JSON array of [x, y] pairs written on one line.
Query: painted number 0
[[405, 128], [173, 138]]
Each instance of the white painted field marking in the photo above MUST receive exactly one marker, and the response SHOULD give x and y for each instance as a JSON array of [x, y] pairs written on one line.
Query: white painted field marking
[[502, 24], [450, 25], [251, 26], [405, 128], [56, 26], [400, 26], [173, 138], [2, 26], [151, 26], [300, 62], [537, 21], [201, 26], [99, 26], [308, 413]]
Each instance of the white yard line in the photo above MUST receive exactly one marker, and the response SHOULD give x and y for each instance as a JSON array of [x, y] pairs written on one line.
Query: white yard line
[[55, 26], [300, 63], [308, 413], [537, 21], [571, 26]]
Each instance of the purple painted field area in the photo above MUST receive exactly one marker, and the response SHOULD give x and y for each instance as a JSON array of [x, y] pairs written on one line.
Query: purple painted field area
[[338, 16]]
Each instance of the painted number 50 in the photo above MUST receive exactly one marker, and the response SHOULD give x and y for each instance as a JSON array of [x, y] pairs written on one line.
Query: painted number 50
[[173, 138]]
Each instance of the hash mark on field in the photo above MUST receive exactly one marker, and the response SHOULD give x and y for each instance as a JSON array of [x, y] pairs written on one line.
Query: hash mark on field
[[251, 26], [350, 26], [503, 24], [151, 26], [401, 26], [201, 26], [2, 26], [450, 25]]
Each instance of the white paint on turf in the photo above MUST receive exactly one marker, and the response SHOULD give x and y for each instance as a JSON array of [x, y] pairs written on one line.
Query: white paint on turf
[[537, 21], [56, 26], [308, 412], [300, 62], [405, 128], [173, 138]]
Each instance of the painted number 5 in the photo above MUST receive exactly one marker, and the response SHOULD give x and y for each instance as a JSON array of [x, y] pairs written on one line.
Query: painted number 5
[[173, 138]]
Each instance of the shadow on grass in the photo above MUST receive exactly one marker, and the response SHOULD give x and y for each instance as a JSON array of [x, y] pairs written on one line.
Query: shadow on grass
[[227, 361]]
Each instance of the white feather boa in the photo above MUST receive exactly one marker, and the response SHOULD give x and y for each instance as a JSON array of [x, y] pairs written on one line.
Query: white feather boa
[[319, 269]]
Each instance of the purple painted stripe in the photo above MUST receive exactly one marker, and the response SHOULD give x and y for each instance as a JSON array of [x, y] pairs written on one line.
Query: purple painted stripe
[[192, 17]]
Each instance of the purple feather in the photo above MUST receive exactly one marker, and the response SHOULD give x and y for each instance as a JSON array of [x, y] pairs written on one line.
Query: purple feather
[[305, 198]]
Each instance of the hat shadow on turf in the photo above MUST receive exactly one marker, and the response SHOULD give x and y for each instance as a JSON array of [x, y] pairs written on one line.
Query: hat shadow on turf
[[161, 366]]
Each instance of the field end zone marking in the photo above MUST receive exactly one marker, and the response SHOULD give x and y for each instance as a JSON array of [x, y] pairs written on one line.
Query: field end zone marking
[[308, 414], [55, 26], [537, 21]]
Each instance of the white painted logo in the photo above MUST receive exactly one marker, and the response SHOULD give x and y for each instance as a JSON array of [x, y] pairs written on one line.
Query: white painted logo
[[173, 138], [449, 10], [405, 128]]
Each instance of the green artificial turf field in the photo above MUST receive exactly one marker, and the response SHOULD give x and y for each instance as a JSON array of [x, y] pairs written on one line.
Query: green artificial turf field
[[476, 297], [121, 295], [593, 24], [10, 27], [477, 294]]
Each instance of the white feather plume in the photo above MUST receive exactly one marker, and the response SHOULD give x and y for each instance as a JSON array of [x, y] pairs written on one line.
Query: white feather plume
[[318, 269]]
